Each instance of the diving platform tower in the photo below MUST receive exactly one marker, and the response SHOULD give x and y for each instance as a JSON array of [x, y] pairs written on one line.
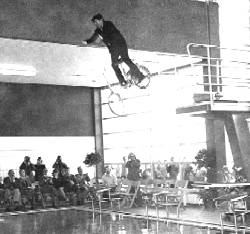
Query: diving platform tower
[[217, 88]]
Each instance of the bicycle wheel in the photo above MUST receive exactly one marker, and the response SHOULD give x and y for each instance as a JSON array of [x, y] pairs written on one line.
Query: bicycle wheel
[[145, 82], [116, 104]]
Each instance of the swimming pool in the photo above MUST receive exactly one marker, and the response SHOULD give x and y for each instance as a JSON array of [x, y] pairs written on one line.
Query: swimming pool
[[73, 221]]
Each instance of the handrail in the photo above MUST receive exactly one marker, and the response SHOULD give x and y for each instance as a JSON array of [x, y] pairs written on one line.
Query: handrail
[[228, 70]]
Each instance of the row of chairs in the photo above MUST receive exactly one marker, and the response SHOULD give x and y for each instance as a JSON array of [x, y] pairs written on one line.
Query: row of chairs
[[131, 193], [172, 198], [124, 195]]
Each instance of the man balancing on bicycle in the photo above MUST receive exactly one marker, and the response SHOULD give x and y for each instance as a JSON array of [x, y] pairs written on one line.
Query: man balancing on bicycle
[[117, 46]]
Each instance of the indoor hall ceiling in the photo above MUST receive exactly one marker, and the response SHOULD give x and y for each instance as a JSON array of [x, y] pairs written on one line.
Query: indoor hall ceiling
[[62, 64]]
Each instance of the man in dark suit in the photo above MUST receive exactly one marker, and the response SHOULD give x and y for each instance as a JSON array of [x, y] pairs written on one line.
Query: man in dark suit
[[12, 191], [27, 166], [117, 46], [59, 166]]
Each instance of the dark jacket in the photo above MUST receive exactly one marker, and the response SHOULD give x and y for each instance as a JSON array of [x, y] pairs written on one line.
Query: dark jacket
[[57, 182], [24, 183], [28, 167], [110, 35], [59, 166], [133, 169], [8, 184], [39, 171]]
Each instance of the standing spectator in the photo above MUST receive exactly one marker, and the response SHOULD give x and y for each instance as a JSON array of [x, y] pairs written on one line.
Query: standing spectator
[[173, 169], [124, 169], [133, 166], [27, 166], [39, 168], [134, 171], [59, 165]]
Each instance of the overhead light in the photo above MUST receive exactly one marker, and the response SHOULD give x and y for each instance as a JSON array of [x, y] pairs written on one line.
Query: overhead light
[[17, 70]]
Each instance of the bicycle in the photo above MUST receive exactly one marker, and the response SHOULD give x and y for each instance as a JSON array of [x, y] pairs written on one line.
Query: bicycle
[[115, 100]]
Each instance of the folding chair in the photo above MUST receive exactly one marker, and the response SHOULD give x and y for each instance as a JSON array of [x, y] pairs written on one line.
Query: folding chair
[[234, 205], [168, 198], [126, 192], [101, 200]]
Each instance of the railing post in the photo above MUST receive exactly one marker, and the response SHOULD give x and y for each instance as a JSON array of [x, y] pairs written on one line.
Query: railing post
[[217, 76], [209, 76]]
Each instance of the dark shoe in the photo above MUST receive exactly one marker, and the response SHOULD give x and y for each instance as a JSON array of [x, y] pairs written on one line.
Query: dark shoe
[[140, 79]]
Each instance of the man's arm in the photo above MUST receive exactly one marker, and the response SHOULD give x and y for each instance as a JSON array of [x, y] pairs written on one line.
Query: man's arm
[[91, 39]]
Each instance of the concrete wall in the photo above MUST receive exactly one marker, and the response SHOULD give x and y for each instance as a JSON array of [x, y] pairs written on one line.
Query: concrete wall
[[45, 110], [162, 25]]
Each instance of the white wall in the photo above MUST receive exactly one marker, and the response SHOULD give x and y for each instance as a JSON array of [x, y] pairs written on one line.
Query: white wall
[[72, 149]]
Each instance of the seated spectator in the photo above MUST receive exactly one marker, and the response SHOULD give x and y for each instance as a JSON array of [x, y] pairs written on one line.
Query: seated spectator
[[228, 177], [163, 169], [27, 166], [68, 180], [1, 183], [69, 185], [12, 191], [26, 188], [58, 185], [32, 177], [189, 173], [82, 185], [146, 177], [24, 180], [109, 180], [201, 174], [82, 179], [1, 191], [239, 175], [39, 168], [47, 188], [59, 165], [158, 174]]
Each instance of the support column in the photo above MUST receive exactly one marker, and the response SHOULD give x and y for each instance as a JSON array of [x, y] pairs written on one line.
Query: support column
[[233, 140], [98, 129], [240, 140], [216, 149]]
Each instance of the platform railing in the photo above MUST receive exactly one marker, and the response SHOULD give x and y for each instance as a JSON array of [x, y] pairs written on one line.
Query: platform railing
[[224, 73]]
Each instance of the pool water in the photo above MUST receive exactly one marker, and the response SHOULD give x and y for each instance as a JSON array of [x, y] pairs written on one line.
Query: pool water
[[81, 222]]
